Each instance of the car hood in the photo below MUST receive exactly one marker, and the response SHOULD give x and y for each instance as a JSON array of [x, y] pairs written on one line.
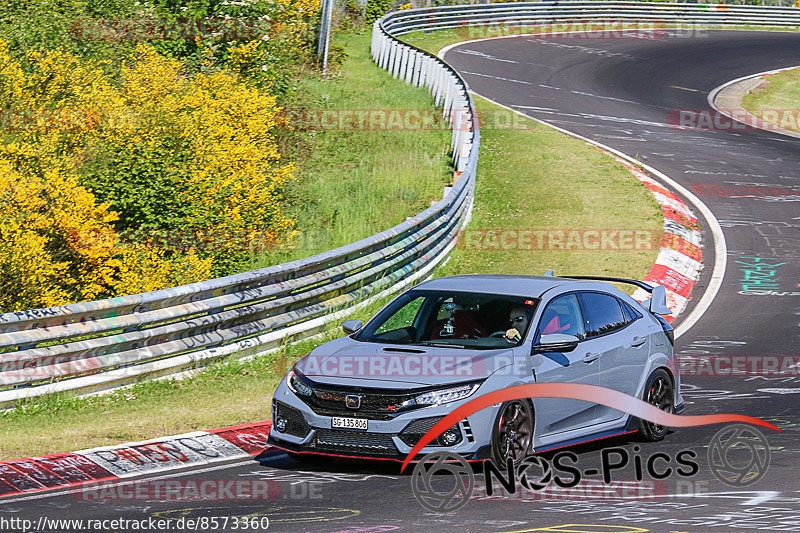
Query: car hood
[[352, 363]]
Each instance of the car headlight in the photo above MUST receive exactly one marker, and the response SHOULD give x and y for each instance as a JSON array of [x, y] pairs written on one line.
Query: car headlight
[[452, 394], [297, 386]]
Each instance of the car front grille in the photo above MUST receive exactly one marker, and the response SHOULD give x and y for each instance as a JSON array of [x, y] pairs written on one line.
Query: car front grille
[[331, 440], [378, 405]]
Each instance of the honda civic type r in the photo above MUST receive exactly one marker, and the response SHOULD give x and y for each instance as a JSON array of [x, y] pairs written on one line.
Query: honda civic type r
[[375, 392]]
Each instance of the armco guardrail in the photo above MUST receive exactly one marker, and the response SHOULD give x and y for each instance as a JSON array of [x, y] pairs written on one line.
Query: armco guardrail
[[99, 345], [559, 12], [104, 344]]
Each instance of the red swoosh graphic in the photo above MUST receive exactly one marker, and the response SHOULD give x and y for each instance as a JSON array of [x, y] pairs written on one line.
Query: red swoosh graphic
[[590, 393]]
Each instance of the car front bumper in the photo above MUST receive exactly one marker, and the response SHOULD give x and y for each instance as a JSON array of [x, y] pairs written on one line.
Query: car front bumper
[[309, 432]]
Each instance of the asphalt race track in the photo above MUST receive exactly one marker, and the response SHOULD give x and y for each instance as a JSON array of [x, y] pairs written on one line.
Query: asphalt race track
[[618, 92]]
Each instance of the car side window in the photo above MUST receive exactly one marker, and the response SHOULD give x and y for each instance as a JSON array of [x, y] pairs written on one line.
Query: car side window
[[631, 314], [601, 313], [562, 315]]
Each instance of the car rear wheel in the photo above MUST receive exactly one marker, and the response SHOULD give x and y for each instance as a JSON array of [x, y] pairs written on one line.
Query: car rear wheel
[[513, 433], [659, 392]]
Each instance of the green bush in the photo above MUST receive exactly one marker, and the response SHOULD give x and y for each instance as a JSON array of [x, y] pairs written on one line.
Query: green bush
[[376, 9], [142, 182]]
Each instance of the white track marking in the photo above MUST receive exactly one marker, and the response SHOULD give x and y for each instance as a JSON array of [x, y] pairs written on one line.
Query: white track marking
[[751, 498], [497, 78]]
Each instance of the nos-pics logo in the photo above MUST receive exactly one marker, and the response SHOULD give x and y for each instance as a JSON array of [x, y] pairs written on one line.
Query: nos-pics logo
[[443, 481]]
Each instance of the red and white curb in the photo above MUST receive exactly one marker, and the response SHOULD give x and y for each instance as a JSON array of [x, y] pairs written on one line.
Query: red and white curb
[[680, 258], [65, 470]]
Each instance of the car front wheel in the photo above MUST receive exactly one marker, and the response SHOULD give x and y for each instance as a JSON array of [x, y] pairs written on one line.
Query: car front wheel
[[513, 433]]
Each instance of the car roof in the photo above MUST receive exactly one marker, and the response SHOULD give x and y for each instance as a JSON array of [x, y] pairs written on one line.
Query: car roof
[[516, 285]]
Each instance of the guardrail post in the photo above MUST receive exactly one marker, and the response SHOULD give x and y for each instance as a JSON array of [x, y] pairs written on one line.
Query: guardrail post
[[385, 45], [415, 77], [393, 57], [412, 58], [402, 61]]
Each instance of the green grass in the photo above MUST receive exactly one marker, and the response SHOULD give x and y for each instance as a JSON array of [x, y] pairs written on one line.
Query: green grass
[[529, 177], [781, 93], [354, 183]]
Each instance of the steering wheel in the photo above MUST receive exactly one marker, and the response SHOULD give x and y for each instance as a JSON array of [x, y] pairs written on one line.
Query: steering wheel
[[503, 335]]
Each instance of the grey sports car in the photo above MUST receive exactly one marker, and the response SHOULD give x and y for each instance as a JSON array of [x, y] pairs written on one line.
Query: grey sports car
[[376, 391]]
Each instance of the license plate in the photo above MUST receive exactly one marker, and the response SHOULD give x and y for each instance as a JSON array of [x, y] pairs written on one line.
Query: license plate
[[348, 423]]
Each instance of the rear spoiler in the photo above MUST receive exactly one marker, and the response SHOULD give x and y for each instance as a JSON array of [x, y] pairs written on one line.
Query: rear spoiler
[[658, 299]]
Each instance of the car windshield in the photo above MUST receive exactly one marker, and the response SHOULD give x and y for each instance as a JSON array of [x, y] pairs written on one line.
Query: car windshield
[[450, 318]]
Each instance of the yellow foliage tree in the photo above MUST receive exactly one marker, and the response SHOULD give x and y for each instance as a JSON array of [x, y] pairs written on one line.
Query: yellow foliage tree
[[58, 244], [235, 170]]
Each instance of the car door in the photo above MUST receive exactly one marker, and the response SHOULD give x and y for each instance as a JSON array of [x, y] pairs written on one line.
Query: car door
[[622, 345], [637, 345], [554, 415]]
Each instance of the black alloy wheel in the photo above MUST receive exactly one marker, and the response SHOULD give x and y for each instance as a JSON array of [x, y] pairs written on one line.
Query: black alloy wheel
[[660, 393], [513, 433]]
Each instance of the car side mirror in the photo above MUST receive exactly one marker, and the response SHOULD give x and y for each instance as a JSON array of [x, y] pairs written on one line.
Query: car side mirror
[[555, 342], [351, 326]]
